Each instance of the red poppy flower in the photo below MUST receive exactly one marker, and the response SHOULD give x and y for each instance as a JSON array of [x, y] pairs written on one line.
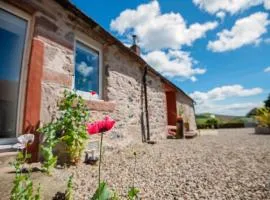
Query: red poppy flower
[[100, 126], [93, 93]]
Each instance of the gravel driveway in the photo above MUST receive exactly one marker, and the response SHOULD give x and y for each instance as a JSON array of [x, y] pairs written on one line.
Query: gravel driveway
[[232, 165]]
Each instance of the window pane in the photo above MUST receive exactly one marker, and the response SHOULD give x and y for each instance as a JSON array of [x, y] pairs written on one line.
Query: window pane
[[12, 39], [86, 69]]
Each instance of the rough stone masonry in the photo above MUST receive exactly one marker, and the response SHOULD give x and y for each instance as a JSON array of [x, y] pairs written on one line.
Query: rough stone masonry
[[57, 29]]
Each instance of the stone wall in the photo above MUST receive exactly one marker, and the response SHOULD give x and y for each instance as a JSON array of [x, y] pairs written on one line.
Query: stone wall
[[125, 87], [157, 108], [186, 105], [123, 92]]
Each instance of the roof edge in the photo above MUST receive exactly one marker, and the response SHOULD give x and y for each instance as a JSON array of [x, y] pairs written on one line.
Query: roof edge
[[66, 4]]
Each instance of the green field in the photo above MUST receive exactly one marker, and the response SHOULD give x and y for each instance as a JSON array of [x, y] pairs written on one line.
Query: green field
[[225, 120]]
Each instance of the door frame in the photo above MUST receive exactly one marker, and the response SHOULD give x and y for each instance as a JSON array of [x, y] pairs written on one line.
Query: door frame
[[170, 92], [24, 68]]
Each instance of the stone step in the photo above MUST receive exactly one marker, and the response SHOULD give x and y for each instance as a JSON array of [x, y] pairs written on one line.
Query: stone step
[[190, 134], [187, 134], [6, 157]]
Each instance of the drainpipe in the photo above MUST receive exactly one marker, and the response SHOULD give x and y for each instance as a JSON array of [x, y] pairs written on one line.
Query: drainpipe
[[135, 48], [146, 104]]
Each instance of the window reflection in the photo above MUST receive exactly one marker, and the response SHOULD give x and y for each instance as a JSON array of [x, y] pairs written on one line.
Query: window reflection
[[12, 39], [86, 69]]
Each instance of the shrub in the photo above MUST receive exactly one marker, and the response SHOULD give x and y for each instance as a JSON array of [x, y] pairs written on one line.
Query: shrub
[[232, 125], [203, 126], [223, 125], [212, 122], [263, 116], [68, 127], [267, 102], [71, 124]]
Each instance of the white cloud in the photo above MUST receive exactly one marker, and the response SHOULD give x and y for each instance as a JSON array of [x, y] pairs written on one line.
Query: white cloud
[[221, 93], [158, 31], [214, 101], [229, 6], [227, 109], [267, 4], [245, 31], [267, 69], [221, 15], [175, 63], [193, 79], [84, 69]]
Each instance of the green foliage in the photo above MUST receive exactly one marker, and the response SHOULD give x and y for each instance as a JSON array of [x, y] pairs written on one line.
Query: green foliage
[[252, 112], [48, 145], [212, 122], [71, 124], [204, 121], [69, 191], [115, 196], [20, 160], [267, 102], [200, 120], [23, 188], [68, 127], [22, 184], [133, 193], [103, 192], [232, 125], [263, 116]]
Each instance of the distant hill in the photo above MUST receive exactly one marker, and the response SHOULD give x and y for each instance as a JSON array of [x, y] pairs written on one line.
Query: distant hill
[[223, 118]]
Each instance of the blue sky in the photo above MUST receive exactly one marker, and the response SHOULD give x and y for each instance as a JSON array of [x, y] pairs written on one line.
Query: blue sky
[[216, 51]]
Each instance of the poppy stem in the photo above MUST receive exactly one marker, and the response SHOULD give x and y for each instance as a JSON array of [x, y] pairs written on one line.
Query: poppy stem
[[134, 171], [99, 166]]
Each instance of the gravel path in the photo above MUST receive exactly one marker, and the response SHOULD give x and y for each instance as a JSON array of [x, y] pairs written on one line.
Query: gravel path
[[224, 166]]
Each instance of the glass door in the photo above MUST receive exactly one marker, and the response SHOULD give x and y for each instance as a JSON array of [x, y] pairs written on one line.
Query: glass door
[[12, 41]]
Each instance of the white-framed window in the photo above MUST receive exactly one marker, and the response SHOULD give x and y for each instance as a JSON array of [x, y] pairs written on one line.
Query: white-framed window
[[87, 70], [14, 35]]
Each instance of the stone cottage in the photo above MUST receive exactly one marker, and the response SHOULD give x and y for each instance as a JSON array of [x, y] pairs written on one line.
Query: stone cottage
[[48, 46]]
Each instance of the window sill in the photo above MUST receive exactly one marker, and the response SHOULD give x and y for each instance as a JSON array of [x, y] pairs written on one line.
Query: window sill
[[100, 105], [7, 148]]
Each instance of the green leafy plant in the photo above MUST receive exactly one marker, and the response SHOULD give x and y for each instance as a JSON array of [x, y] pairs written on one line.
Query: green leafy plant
[[115, 196], [267, 102], [69, 191], [22, 184], [212, 122], [263, 116], [49, 143], [71, 124], [68, 127], [103, 192], [23, 188], [133, 191]]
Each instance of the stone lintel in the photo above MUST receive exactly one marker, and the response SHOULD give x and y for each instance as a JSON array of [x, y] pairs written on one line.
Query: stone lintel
[[96, 105]]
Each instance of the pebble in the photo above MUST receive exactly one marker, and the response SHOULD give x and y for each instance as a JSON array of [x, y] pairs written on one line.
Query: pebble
[[224, 166]]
